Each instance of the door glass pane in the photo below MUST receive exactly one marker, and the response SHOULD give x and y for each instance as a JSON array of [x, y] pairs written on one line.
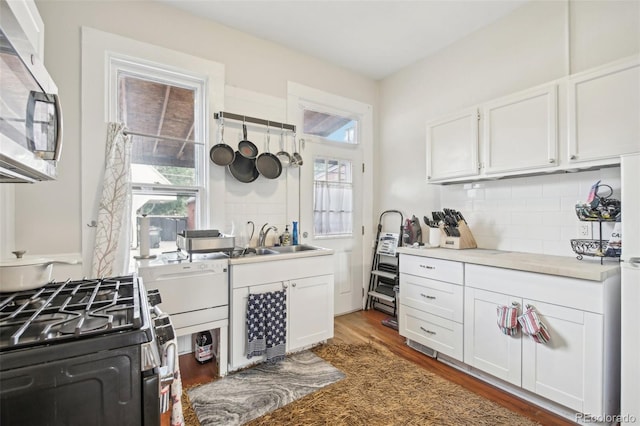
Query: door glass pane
[[332, 127], [333, 197], [161, 109]]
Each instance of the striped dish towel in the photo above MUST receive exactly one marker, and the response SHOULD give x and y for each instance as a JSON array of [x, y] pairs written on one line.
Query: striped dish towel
[[508, 319], [532, 326]]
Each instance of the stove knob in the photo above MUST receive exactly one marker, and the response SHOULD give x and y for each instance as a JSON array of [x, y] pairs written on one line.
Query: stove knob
[[154, 297], [164, 334]]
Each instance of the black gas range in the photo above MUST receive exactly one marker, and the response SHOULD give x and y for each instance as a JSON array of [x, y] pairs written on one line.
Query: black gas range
[[93, 351]]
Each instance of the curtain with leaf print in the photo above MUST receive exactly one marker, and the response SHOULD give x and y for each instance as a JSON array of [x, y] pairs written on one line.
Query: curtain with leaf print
[[111, 252]]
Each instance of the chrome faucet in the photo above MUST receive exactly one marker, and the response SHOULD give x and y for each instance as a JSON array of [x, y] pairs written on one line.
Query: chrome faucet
[[262, 236]]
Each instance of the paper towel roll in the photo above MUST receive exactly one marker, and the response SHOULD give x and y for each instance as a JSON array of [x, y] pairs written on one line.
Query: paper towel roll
[[144, 235]]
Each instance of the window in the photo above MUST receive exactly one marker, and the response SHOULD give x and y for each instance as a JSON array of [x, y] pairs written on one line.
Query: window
[[333, 197], [163, 113], [332, 127]]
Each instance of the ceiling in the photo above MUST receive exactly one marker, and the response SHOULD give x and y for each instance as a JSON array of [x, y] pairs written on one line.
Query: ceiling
[[373, 38]]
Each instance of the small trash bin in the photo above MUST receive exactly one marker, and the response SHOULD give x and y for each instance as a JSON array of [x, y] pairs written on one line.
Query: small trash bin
[[204, 346]]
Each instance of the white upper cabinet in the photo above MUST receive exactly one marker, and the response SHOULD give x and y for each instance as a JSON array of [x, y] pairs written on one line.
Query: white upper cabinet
[[604, 112], [520, 131], [452, 146], [27, 16]]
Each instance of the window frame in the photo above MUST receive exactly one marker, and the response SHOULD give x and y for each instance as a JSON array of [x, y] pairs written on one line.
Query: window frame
[[324, 109], [166, 74]]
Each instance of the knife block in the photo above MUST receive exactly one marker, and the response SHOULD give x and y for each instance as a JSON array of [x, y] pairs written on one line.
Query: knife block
[[464, 241]]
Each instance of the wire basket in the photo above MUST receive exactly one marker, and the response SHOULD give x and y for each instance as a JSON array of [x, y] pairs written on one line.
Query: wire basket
[[593, 248]]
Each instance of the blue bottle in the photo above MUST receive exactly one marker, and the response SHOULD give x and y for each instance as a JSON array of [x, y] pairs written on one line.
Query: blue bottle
[[294, 234]]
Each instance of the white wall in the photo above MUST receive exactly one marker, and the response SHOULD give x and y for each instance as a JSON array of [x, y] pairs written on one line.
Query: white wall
[[537, 43], [48, 215]]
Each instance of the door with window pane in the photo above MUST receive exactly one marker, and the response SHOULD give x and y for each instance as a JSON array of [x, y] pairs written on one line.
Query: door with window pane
[[331, 198]]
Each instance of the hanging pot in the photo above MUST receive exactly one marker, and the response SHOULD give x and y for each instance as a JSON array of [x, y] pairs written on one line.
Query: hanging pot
[[222, 154], [283, 156], [268, 164], [243, 169], [26, 274], [296, 158], [247, 148]]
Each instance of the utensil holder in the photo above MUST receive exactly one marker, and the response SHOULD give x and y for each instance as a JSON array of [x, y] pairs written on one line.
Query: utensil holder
[[464, 241]]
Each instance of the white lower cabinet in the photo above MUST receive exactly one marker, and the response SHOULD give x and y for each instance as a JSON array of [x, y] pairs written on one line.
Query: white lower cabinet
[[310, 311], [567, 369], [430, 311], [485, 346], [309, 285], [578, 368], [451, 307]]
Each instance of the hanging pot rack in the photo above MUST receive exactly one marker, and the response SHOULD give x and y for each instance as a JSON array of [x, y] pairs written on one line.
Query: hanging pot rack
[[254, 120]]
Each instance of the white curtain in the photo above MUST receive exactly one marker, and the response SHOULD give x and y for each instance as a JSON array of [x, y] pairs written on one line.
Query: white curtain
[[332, 208], [111, 252]]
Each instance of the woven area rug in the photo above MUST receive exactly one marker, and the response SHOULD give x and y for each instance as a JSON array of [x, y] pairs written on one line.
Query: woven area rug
[[248, 394], [381, 388]]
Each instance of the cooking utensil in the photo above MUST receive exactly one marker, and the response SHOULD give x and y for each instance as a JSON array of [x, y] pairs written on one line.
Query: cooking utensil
[[247, 148], [26, 274], [296, 157], [243, 168], [221, 153], [283, 156], [268, 164]]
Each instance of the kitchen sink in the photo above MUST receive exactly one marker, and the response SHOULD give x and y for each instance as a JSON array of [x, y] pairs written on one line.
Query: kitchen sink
[[261, 251], [293, 249], [268, 251]]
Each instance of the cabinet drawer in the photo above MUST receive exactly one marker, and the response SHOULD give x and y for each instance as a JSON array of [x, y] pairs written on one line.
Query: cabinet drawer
[[437, 269], [431, 296], [442, 335]]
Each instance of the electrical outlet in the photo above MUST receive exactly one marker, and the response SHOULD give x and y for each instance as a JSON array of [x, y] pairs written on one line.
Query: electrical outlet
[[585, 230]]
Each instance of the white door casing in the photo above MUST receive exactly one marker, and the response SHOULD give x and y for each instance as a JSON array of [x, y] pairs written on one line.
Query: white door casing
[[349, 262]]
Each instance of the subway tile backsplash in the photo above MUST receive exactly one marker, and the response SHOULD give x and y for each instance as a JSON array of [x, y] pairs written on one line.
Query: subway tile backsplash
[[529, 214]]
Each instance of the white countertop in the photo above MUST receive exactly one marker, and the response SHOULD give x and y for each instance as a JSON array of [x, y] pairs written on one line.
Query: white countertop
[[320, 251], [587, 269]]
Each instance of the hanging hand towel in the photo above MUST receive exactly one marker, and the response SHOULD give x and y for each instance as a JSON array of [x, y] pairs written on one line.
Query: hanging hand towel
[[508, 319], [532, 326], [256, 343], [276, 325]]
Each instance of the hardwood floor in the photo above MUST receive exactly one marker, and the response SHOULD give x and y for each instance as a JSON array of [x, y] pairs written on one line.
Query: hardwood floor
[[365, 327]]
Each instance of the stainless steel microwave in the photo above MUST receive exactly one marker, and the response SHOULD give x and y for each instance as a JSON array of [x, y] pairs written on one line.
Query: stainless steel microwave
[[30, 112]]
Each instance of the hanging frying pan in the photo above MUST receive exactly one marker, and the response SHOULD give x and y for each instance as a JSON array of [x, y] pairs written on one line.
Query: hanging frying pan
[[243, 169], [222, 154], [268, 164], [247, 148]]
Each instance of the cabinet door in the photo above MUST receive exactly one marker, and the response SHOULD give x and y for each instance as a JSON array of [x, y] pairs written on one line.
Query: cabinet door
[[520, 131], [238, 324], [569, 368], [452, 146], [604, 106], [310, 311], [485, 346]]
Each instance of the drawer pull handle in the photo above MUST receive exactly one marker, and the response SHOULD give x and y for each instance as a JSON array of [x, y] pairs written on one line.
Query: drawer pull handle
[[427, 267], [427, 296], [428, 331]]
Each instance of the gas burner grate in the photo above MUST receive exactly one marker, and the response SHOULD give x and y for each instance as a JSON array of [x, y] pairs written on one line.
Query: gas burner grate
[[69, 310]]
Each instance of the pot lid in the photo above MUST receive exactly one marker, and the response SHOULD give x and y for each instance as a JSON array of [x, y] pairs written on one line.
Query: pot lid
[[29, 261]]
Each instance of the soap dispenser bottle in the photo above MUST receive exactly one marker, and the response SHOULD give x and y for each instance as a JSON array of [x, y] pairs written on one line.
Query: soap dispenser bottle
[[295, 233], [286, 236]]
